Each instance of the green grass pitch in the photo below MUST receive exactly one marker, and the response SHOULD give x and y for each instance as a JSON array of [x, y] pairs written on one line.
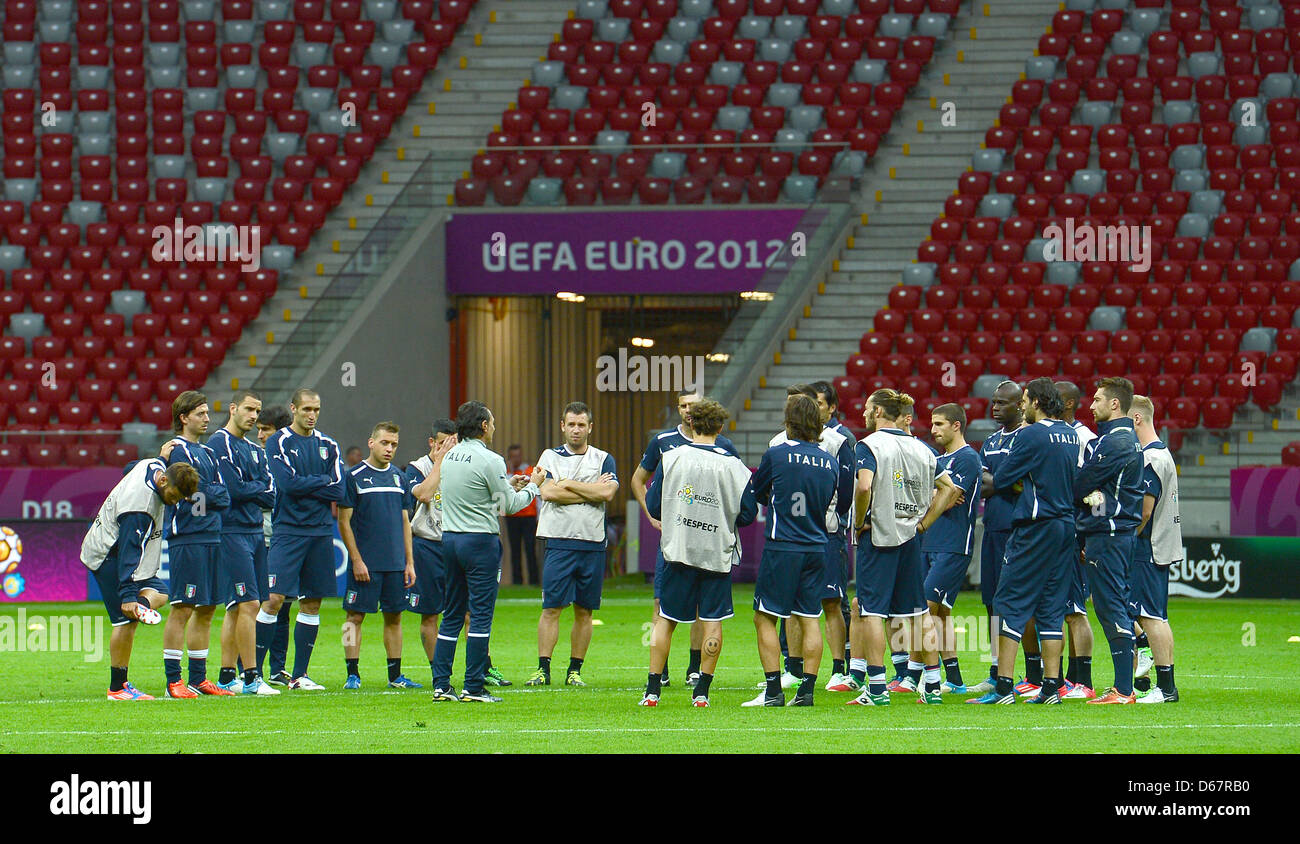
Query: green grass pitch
[[1231, 658]]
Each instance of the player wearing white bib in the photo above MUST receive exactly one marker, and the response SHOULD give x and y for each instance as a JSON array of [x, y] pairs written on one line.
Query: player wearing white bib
[[427, 596], [1076, 608], [580, 481]]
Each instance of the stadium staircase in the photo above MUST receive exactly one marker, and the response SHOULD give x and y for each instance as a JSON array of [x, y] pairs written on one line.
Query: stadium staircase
[[896, 212]]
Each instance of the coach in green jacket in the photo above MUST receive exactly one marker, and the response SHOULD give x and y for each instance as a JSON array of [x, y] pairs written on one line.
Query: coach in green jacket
[[475, 493]]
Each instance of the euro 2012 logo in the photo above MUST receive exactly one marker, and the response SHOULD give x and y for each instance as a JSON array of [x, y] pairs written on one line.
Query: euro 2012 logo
[[898, 479], [686, 494], [11, 554]]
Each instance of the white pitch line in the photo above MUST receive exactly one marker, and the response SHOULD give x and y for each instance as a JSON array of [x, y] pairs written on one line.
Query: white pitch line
[[440, 731]]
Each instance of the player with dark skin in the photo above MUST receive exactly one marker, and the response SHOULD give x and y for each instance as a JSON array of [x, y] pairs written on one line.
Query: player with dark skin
[[1005, 409]]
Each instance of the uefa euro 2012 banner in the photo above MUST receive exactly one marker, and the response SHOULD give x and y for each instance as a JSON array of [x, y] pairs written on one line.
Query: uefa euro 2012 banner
[[1265, 501], [617, 252]]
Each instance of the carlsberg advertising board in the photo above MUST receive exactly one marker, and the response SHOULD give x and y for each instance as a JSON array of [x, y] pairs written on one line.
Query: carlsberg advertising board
[[1238, 567]]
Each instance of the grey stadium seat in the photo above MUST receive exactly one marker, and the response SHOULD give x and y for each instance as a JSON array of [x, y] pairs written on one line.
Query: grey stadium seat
[[240, 32], [277, 257], [92, 76], [128, 303], [27, 326], [241, 76], [593, 9], [668, 52], [1040, 67], [799, 188], [55, 31], [380, 10], [873, 71], [168, 166], [791, 140], [199, 10], [572, 97], [19, 76], [272, 10], [987, 160], [774, 50], [1095, 113], [784, 94], [695, 8], [1277, 85], [1034, 250], [684, 30], [314, 100], [1207, 202], [202, 99], [387, 56], [96, 143], [21, 190], [839, 7], [12, 257], [1192, 224], [548, 74], [1179, 111], [894, 26], [1080, 5], [1063, 272], [1191, 180], [1202, 64], [932, 25], [755, 27], [1269, 17], [668, 165], [63, 122], [19, 52], [790, 27], [309, 54], [919, 275], [727, 73], [611, 140], [162, 54], [1295, 320], [82, 212], [281, 145], [210, 190], [985, 385], [1106, 318], [159, 77], [1144, 21], [1114, 5], [1126, 42], [1188, 157], [1258, 340], [1244, 136], [732, 118], [544, 191], [331, 120], [1088, 182], [804, 117], [399, 31], [1293, 273], [1240, 107], [56, 10], [852, 162], [612, 29], [996, 205]]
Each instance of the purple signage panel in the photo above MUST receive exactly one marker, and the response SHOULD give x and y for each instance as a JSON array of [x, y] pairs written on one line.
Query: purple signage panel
[[751, 550], [41, 561], [1266, 501], [56, 493], [615, 252]]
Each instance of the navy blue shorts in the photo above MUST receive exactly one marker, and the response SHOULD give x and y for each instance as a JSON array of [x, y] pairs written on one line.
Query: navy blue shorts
[[239, 566], [946, 576], [472, 563], [385, 591], [790, 583], [689, 592], [301, 566], [836, 567], [1034, 578], [195, 574], [891, 581], [116, 590], [659, 574], [429, 593], [1149, 597], [572, 576], [993, 552], [1109, 559], [1077, 594]]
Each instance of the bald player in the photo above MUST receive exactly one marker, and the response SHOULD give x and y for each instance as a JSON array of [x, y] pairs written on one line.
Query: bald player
[[1079, 673]]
